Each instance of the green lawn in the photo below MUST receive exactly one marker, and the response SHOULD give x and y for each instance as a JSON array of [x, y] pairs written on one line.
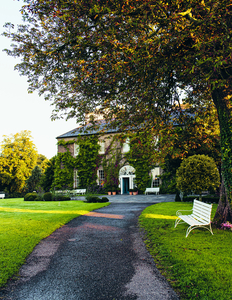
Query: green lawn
[[24, 224], [197, 267]]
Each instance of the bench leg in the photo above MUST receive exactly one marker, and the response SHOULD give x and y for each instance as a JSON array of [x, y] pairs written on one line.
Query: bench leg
[[197, 226]]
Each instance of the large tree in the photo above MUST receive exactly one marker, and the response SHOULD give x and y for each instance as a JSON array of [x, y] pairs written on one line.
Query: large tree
[[17, 160], [133, 59]]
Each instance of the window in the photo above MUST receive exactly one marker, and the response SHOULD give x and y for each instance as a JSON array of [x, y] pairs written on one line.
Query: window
[[76, 149], [101, 177], [156, 182], [126, 146], [155, 173], [102, 147], [76, 180]]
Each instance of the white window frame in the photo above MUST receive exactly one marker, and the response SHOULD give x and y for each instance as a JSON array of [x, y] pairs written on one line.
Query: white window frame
[[102, 147], [76, 180], [101, 176], [126, 146], [76, 149]]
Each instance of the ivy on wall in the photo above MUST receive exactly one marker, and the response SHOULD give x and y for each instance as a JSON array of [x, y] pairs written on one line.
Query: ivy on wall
[[88, 160], [63, 173], [142, 156], [112, 161], [85, 162]]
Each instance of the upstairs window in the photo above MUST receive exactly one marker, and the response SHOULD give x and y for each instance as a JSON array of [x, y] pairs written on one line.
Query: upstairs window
[[76, 149], [126, 146], [102, 147]]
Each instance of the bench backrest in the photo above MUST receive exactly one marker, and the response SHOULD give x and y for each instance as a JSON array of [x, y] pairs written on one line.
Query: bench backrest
[[202, 211], [156, 189]]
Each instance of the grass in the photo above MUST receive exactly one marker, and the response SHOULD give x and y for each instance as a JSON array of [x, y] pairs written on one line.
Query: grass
[[197, 267], [24, 224]]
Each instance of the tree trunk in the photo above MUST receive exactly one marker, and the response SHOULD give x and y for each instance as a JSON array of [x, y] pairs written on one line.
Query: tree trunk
[[224, 212], [223, 105]]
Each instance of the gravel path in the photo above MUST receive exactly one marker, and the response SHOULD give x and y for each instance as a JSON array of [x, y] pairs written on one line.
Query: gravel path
[[96, 256]]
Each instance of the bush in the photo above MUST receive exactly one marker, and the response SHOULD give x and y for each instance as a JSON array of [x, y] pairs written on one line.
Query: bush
[[103, 200], [197, 173], [30, 197], [47, 196], [177, 198], [62, 198], [95, 199]]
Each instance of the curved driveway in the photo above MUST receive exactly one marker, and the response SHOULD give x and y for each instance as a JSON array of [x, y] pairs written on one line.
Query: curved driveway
[[97, 256]]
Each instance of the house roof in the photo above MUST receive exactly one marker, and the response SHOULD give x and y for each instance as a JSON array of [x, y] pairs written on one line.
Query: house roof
[[88, 130], [103, 128]]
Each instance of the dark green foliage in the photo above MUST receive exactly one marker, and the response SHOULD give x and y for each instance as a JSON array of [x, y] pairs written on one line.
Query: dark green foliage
[[197, 173], [168, 177], [92, 199], [30, 197], [48, 177], [85, 163], [104, 199], [62, 198], [177, 198], [95, 199], [33, 181], [47, 196], [63, 172]]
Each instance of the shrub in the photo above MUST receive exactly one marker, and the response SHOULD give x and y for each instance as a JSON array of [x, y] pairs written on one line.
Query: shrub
[[104, 199], [177, 198], [62, 198], [92, 199], [47, 196], [197, 173], [95, 199], [39, 198], [30, 197]]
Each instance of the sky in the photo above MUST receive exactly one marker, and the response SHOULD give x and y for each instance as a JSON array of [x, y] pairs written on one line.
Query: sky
[[18, 109]]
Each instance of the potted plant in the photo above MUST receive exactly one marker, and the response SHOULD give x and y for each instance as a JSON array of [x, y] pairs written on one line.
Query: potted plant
[[114, 190], [135, 191], [131, 191]]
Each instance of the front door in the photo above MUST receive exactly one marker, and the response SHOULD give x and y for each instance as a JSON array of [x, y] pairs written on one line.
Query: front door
[[125, 185]]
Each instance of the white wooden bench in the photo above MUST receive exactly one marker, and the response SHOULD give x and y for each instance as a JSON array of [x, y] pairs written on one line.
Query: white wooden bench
[[2, 195], [200, 216], [78, 191], [152, 190]]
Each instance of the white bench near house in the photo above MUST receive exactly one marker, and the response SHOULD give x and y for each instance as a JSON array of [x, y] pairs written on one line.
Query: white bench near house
[[80, 191], [200, 216], [2, 195], [152, 190]]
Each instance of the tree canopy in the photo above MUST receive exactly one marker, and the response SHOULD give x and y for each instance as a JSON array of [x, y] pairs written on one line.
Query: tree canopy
[[134, 60], [17, 160]]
